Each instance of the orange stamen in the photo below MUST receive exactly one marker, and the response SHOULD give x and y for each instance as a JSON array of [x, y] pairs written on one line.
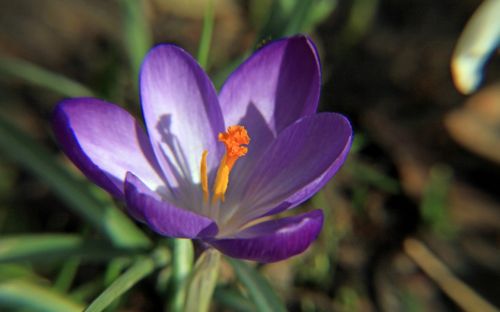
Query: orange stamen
[[204, 176], [235, 139]]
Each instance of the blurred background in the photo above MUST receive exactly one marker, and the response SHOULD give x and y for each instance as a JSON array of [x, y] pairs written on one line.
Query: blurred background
[[411, 219]]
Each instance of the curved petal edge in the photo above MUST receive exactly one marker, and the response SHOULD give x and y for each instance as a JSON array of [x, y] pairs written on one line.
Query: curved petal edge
[[274, 240], [299, 162], [96, 134], [163, 217]]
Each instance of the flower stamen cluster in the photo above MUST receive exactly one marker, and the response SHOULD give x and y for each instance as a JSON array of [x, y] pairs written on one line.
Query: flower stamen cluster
[[235, 139]]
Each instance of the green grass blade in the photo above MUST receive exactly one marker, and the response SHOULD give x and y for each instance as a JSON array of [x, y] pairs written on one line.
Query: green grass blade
[[36, 75], [286, 18], [104, 216], [67, 274], [113, 271], [202, 281], [10, 271], [206, 35], [182, 264], [49, 247], [137, 33], [259, 289], [140, 269], [87, 291], [19, 294], [297, 20], [233, 300]]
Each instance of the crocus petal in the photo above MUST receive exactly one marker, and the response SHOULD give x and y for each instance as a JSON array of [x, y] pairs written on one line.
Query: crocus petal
[[277, 85], [298, 163], [163, 217], [273, 240], [182, 115], [105, 142], [280, 83]]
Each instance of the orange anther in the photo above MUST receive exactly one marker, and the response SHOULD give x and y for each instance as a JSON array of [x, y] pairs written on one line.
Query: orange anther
[[235, 138]]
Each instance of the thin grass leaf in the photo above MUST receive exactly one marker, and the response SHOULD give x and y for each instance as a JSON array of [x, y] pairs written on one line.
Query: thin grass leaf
[[259, 289], [182, 264], [320, 11], [36, 75], [88, 290], [206, 35], [202, 281], [298, 18], [114, 268], [113, 271], [49, 247], [286, 18], [137, 32], [233, 300], [102, 215], [67, 275], [21, 294], [142, 267], [9, 271]]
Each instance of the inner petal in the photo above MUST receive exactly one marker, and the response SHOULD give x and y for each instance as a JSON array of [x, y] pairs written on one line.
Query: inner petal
[[182, 116], [296, 165]]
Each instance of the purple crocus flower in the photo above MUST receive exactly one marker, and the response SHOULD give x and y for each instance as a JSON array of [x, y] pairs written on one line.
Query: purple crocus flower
[[211, 166]]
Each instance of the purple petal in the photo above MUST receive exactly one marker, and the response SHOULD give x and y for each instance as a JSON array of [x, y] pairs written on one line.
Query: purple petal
[[105, 142], [279, 84], [182, 115], [273, 240], [298, 163], [163, 217]]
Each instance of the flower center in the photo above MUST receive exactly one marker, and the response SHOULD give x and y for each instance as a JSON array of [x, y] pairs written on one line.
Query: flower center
[[235, 139]]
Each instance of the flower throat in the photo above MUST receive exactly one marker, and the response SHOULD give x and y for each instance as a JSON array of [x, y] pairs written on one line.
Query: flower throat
[[235, 139]]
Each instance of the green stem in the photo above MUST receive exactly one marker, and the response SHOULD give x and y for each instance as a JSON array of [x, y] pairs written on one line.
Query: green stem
[[182, 264], [202, 281]]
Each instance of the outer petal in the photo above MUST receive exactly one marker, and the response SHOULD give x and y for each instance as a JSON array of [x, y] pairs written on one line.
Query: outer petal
[[182, 115], [105, 142], [298, 163], [279, 84], [273, 240], [162, 217]]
